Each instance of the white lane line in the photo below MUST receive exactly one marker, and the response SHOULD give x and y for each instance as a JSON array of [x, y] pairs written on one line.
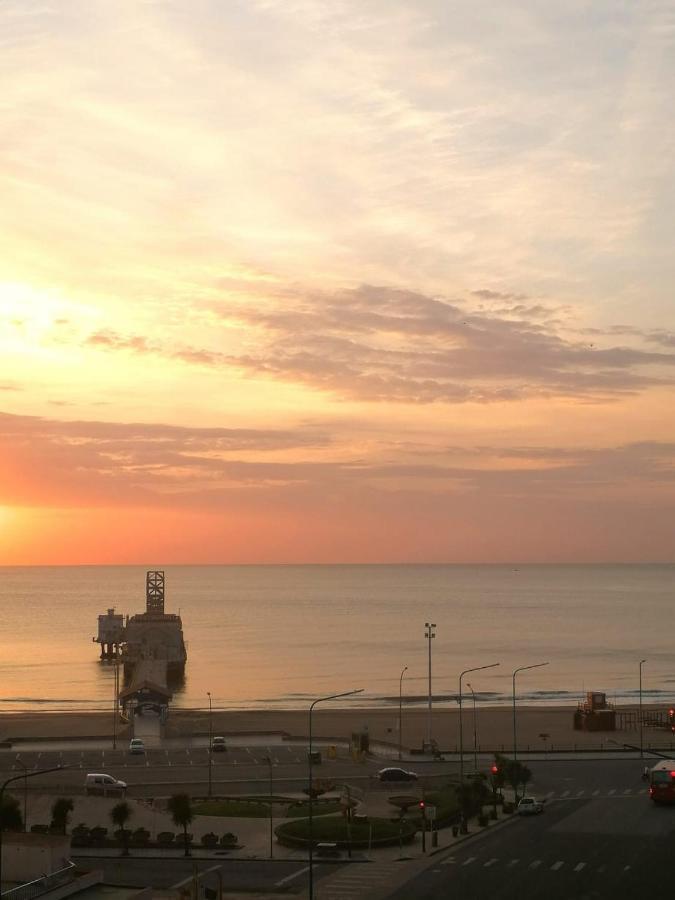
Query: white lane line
[[596, 793], [514, 862], [292, 876], [490, 862], [613, 791], [557, 865], [565, 794], [469, 861], [579, 867], [450, 861], [535, 864]]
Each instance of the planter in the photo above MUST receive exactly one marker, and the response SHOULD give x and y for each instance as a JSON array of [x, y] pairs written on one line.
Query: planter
[[209, 840]]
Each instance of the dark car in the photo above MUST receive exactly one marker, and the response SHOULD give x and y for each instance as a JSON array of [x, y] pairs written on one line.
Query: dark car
[[396, 774]]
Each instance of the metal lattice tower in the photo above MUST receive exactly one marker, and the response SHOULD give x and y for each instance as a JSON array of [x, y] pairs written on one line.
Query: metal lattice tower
[[154, 593]]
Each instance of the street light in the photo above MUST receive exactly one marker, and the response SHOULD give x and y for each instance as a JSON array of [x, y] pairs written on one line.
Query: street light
[[25, 795], [642, 754], [25, 775], [429, 634], [208, 694], [461, 727], [116, 694], [520, 669], [475, 729], [268, 760], [400, 712], [310, 760]]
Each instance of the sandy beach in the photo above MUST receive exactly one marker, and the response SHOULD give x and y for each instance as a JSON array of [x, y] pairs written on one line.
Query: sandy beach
[[539, 728]]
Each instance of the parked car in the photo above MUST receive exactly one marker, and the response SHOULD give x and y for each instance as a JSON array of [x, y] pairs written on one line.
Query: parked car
[[395, 774], [136, 745], [528, 806], [100, 783], [218, 744]]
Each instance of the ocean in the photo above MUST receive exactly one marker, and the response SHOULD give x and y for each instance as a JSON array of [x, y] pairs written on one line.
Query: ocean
[[277, 636]]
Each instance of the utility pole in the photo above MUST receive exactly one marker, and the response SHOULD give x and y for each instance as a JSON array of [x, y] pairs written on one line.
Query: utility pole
[[429, 634]]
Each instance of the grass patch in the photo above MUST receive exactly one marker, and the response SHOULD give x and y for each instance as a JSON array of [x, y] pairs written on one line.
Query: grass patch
[[320, 808], [259, 808], [334, 829]]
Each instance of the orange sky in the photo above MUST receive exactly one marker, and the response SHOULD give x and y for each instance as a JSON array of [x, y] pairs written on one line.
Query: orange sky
[[289, 281]]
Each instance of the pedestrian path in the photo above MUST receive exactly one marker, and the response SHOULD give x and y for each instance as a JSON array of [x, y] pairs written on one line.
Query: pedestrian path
[[356, 881], [552, 864], [594, 793]]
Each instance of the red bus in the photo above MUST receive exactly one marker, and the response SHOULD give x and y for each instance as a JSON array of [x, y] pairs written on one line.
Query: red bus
[[662, 782]]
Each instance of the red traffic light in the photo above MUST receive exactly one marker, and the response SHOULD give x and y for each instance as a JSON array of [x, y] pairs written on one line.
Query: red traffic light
[[422, 804], [671, 713], [494, 769]]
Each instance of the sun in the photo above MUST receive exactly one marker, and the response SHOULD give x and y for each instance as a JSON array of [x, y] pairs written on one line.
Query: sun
[[27, 315]]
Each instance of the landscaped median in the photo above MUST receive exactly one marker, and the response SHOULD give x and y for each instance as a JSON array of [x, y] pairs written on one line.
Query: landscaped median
[[374, 832], [258, 807]]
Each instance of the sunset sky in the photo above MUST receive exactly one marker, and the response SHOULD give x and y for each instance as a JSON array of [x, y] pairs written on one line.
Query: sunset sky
[[336, 281]]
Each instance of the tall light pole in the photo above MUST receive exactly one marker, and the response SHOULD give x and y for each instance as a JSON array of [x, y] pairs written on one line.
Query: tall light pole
[[400, 712], [429, 634], [475, 729], [25, 796], [208, 694], [642, 753], [116, 694], [461, 727], [520, 669], [2, 793], [268, 760], [310, 761]]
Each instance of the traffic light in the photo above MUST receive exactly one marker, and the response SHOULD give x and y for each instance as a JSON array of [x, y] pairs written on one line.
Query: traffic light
[[422, 806], [494, 769]]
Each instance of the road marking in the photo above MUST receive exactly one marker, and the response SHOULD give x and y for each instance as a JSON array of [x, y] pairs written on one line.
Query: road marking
[[579, 793], [565, 794], [626, 868], [601, 869], [579, 867], [535, 864], [557, 865], [628, 791], [292, 876], [595, 793], [550, 794], [450, 861], [490, 862], [514, 862], [436, 871], [469, 861], [613, 791]]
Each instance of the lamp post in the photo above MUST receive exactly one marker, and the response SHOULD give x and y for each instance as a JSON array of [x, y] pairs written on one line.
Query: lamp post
[[475, 729], [208, 694], [268, 760], [310, 761], [642, 753], [25, 792], [25, 775], [116, 694], [461, 728], [400, 712], [520, 669], [429, 634]]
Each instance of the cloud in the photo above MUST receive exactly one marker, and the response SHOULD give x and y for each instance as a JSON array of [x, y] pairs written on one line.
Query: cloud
[[380, 344]]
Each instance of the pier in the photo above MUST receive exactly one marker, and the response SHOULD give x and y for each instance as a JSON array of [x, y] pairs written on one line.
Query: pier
[[151, 649]]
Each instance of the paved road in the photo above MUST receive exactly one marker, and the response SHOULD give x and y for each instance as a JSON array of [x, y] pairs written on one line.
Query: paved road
[[612, 847], [239, 770], [237, 875]]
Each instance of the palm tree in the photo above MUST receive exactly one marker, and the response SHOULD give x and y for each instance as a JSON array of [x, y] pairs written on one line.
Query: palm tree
[[61, 810], [120, 815], [180, 807]]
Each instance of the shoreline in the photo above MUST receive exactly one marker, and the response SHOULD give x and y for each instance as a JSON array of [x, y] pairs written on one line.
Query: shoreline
[[538, 728]]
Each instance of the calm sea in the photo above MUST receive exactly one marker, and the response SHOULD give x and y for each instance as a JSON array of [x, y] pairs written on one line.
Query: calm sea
[[274, 636]]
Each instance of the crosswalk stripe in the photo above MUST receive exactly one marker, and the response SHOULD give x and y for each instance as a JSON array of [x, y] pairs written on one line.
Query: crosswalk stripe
[[550, 794], [557, 865], [613, 791], [626, 868], [579, 867], [579, 793], [565, 794], [448, 862], [490, 862], [469, 861], [595, 793], [535, 864], [601, 869], [514, 862], [628, 791]]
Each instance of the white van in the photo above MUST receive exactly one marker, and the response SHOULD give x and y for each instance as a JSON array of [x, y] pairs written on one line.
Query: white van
[[98, 783]]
